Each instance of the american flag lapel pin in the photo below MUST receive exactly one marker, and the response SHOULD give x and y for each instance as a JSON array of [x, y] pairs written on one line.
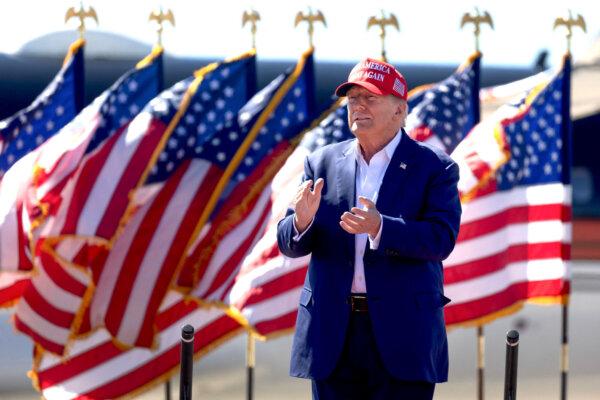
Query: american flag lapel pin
[[402, 165]]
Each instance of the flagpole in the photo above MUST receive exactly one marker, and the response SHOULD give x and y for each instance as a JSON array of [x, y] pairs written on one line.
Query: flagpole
[[569, 23], [477, 19], [564, 355], [480, 362], [250, 362]]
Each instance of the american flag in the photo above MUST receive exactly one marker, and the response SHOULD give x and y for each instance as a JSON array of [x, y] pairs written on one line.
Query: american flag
[[51, 306], [56, 106], [281, 113], [200, 121], [20, 136], [443, 113], [96, 160], [515, 234], [98, 369]]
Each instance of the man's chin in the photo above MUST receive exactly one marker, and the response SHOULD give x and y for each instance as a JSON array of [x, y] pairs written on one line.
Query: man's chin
[[358, 128]]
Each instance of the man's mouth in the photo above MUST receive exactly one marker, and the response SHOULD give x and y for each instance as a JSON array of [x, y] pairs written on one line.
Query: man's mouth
[[360, 118]]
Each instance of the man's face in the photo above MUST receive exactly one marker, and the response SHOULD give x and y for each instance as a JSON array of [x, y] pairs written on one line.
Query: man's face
[[374, 117]]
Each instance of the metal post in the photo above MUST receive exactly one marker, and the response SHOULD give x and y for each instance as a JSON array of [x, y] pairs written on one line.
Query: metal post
[[480, 362], [168, 389], [187, 362], [564, 356], [250, 362], [512, 359]]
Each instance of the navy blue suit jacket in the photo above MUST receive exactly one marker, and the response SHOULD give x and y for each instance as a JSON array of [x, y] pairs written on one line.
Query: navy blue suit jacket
[[420, 207]]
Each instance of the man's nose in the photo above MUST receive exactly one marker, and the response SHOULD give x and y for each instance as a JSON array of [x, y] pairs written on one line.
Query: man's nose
[[360, 102]]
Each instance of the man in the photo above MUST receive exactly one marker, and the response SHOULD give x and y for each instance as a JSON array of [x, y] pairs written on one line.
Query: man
[[381, 216]]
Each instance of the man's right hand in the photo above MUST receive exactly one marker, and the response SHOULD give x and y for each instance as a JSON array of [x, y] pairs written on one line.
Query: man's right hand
[[306, 203]]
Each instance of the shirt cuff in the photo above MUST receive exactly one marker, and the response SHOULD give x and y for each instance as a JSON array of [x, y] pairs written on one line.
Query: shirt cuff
[[297, 236], [374, 241]]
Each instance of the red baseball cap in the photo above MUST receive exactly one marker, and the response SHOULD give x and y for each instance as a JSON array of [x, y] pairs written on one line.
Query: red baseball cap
[[377, 77]]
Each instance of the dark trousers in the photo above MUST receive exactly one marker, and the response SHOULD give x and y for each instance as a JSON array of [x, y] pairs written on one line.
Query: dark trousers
[[360, 373]]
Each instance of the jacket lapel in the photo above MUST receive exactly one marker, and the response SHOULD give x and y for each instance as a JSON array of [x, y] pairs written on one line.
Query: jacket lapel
[[389, 199], [346, 189], [346, 177]]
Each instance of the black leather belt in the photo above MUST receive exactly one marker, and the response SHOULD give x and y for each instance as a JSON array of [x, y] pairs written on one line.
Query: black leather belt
[[358, 303]]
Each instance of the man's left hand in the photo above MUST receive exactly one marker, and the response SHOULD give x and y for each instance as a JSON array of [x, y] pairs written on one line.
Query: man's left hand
[[360, 220]]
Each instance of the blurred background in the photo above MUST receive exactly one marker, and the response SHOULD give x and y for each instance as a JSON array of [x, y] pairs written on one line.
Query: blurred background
[[427, 48]]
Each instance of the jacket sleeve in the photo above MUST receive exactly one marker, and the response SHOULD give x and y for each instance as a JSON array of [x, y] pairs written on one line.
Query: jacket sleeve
[[431, 237], [285, 228]]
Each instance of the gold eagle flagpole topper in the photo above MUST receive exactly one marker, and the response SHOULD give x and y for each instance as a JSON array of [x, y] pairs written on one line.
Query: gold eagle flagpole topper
[[382, 22], [160, 17], [82, 14], [251, 17], [477, 20], [311, 19], [569, 23]]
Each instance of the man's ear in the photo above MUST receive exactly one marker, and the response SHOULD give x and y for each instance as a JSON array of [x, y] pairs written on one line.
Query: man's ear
[[401, 108]]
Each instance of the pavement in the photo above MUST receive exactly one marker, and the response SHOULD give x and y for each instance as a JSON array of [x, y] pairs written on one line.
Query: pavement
[[221, 375]]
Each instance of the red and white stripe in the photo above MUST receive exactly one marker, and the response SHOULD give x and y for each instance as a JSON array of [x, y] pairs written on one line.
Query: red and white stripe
[[50, 303], [12, 286], [213, 261], [226, 260], [512, 246], [13, 234], [146, 255], [48, 315], [141, 264], [17, 198], [267, 289], [98, 369], [96, 198]]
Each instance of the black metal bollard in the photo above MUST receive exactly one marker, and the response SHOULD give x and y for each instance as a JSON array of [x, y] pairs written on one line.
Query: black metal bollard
[[168, 390], [512, 359], [187, 362]]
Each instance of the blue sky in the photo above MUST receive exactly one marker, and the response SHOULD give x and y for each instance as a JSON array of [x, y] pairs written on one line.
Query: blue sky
[[429, 29]]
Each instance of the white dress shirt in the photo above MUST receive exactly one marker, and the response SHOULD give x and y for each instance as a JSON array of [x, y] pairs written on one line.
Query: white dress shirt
[[368, 181]]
